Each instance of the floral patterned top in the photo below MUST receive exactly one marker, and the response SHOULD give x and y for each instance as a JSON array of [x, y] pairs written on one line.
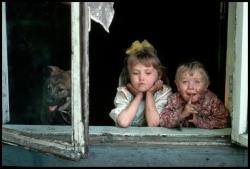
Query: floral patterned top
[[124, 97], [211, 112]]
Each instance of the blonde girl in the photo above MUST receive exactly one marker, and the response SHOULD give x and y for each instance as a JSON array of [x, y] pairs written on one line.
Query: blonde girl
[[143, 90]]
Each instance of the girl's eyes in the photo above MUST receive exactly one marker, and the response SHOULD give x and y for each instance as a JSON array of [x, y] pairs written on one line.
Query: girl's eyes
[[137, 73]]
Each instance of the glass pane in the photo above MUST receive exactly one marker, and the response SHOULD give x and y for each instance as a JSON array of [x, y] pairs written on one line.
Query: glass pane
[[38, 36]]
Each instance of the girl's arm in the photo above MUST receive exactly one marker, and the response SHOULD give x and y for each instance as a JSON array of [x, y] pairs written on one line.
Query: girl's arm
[[126, 116], [152, 115]]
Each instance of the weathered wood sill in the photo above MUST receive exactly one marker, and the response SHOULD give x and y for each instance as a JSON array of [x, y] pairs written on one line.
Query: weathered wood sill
[[57, 139]]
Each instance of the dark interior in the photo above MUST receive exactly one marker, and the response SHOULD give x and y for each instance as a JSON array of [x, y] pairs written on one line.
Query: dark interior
[[39, 35]]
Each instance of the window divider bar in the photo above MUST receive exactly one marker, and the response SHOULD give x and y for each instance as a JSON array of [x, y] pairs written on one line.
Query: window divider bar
[[84, 68], [78, 88], [5, 79]]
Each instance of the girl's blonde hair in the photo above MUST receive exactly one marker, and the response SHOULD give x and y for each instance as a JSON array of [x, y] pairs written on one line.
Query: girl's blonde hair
[[191, 67], [145, 54]]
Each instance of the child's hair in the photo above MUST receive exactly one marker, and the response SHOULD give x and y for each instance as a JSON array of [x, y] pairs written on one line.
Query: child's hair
[[191, 66], [145, 54]]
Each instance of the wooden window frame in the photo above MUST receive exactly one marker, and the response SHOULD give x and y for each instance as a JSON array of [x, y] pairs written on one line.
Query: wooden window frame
[[72, 141], [77, 147], [237, 71]]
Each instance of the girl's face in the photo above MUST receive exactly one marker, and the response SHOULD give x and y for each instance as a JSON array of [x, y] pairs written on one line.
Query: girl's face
[[191, 85], [142, 77]]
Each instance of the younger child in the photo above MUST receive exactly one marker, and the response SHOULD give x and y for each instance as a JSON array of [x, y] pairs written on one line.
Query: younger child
[[194, 105], [143, 92]]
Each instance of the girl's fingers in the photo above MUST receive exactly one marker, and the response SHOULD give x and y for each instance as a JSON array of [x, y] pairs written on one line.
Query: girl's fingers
[[190, 100]]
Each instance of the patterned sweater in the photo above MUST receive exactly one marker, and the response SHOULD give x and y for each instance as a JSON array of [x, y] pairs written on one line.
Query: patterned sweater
[[211, 112]]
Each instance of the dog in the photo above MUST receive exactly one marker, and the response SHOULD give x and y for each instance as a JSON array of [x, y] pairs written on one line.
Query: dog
[[58, 97]]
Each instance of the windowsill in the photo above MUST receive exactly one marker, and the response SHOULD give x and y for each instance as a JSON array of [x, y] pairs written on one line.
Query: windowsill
[[58, 139], [157, 131], [112, 134]]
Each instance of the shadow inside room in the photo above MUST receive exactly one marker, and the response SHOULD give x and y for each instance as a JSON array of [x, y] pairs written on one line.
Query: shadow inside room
[[39, 35]]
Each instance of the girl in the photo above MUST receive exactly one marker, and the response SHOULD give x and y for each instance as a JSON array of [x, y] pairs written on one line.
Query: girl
[[143, 89], [194, 105]]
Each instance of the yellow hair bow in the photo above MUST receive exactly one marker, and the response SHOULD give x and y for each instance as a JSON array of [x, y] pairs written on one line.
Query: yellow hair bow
[[137, 46]]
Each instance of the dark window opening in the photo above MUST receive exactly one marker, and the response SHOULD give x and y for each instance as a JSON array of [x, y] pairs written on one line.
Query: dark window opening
[[179, 32], [39, 35]]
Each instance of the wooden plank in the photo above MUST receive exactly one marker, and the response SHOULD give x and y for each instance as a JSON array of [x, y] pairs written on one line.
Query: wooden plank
[[159, 135], [148, 135], [76, 72], [59, 148], [5, 79], [240, 81], [85, 24], [131, 131], [230, 57], [158, 131]]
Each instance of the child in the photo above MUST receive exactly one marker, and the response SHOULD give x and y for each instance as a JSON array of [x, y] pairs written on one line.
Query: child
[[193, 105], [143, 91]]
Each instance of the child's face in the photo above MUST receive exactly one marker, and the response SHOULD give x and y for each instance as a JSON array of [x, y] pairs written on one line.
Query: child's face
[[142, 77], [191, 85]]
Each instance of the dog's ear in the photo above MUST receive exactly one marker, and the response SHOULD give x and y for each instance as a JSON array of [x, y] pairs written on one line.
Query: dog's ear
[[54, 70]]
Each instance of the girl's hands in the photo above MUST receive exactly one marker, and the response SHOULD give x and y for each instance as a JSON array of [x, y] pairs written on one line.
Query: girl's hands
[[157, 86], [132, 89]]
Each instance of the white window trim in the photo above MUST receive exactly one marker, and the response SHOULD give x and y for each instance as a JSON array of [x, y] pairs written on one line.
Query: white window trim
[[112, 134], [240, 73], [5, 80], [82, 132], [79, 75]]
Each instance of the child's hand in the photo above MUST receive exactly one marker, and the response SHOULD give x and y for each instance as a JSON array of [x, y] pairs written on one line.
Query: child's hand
[[194, 119], [157, 86], [189, 109], [132, 89]]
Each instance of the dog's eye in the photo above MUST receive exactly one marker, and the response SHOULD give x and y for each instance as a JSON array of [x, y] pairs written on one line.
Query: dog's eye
[[60, 89]]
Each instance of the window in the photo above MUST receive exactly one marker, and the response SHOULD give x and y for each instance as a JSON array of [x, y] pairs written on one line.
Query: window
[[71, 141], [187, 31], [52, 138]]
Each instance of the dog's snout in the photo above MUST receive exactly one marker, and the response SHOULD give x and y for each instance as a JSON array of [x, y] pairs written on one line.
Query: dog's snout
[[50, 100]]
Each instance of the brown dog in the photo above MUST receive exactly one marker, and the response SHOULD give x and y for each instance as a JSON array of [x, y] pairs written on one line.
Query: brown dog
[[58, 97]]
